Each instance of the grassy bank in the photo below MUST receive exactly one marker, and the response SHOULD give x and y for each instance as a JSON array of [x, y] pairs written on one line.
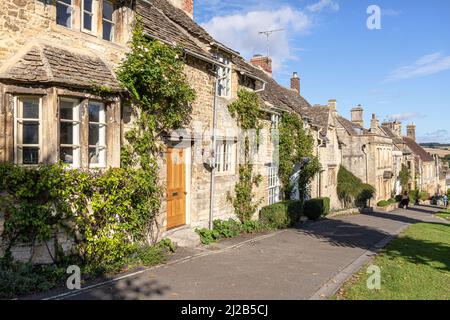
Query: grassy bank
[[444, 215], [416, 266]]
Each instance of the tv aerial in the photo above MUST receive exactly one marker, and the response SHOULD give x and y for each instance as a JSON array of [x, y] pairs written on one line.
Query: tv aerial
[[268, 34]]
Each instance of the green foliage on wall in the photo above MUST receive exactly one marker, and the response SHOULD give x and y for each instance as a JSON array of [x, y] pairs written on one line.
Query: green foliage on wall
[[404, 177], [246, 110], [295, 145], [152, 74], [351, 190]]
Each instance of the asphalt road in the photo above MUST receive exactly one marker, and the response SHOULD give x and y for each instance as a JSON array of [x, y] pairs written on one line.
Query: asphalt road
[[293, 264]]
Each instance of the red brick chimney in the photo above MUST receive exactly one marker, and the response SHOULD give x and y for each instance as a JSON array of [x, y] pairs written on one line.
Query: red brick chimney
[[295, 82], [264, 63], [185, 5]]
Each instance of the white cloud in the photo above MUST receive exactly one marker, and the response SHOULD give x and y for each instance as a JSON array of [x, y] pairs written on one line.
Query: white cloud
[[241, 31], [424, 66], [439, 136], [406, 116], [323, 4]]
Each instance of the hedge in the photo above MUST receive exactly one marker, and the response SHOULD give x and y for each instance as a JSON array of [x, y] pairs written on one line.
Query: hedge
[[281, 215], [316, 208]]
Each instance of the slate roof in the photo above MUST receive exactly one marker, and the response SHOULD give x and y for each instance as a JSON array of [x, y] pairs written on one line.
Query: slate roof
[[48, 64], [349, 126], [155, 17], [418, 150], [392, 134]]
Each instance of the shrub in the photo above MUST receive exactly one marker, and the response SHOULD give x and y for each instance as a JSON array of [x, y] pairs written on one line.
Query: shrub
[[207, 236], [414, 196], [392, 201], [316, 208], [281, 215], [448, 193], [383, 203], [398, 198], [351, 189], [252, 226], [423, 196], [228, 229]]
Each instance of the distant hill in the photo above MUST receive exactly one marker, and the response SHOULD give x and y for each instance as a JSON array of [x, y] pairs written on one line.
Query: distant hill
[[435, 145]]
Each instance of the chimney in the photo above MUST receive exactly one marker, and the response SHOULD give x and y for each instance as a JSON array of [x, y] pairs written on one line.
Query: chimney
[[374, 123], [398, 128], [332, 104], [264, 63], [295, 82], [357, 115], [186, 5], [411, 131]]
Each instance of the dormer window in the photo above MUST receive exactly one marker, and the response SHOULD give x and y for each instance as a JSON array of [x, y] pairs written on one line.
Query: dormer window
[[107, 20], [64, 11]]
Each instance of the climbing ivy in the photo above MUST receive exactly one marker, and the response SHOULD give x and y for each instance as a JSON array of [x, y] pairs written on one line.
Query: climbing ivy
[[246, 110], [296, 144], [161, 97], [404, 176]]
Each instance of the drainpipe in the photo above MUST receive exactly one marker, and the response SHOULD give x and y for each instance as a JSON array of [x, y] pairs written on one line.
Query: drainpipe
[[213, 150], [364, 147]]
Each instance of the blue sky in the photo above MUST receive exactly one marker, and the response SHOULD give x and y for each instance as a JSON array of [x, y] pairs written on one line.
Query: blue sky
[[400, 71]]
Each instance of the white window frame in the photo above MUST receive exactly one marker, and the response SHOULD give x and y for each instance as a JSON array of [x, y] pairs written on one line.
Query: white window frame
[[18, 144], [113, 25], [76, 122], [275, 121], [224, 75], [224, 156], [101, 133], [71, 13], [274, 189], [92, 14]]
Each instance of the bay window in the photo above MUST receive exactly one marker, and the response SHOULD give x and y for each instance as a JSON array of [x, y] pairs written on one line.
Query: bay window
[[27, 137], [69, 132], [97, 135]]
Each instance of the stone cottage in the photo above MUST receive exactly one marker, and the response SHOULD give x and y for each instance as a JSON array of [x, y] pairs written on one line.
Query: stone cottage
[[367, 153]]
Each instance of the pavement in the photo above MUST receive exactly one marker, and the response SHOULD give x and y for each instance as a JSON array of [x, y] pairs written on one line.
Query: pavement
[[310, 262]]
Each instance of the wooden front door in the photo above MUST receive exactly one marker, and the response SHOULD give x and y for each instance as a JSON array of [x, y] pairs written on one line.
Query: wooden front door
[[176, 188]]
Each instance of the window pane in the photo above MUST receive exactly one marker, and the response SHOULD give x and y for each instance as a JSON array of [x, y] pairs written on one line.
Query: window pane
[[107, 31], [66, 133], [30, 155], [107, 10], [30, 133], [94, 134], [94, 113], [63, 15], [30, 109], [87, 21], [94, 155], [66, 155], [66, 110], [87, 5]]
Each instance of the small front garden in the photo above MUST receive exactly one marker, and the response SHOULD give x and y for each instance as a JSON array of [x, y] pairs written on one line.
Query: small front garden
[[416, 266]]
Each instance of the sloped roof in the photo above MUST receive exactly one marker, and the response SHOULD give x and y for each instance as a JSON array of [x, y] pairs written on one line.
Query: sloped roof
[[48, 64], [392, 134], [349, 126], [321, 117], [418, 150], [154, 14]]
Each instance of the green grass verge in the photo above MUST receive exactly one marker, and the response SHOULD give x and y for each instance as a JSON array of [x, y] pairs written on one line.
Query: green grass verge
[[444, 215], [415, 266]]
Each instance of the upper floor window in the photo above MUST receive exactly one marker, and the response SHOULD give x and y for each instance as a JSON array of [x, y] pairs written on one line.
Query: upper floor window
[[97, 135], [275, 121], [69, 132], [27, 138], [224, 75], [107, 20], [64, 11], [274, 184], [87, 14]]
